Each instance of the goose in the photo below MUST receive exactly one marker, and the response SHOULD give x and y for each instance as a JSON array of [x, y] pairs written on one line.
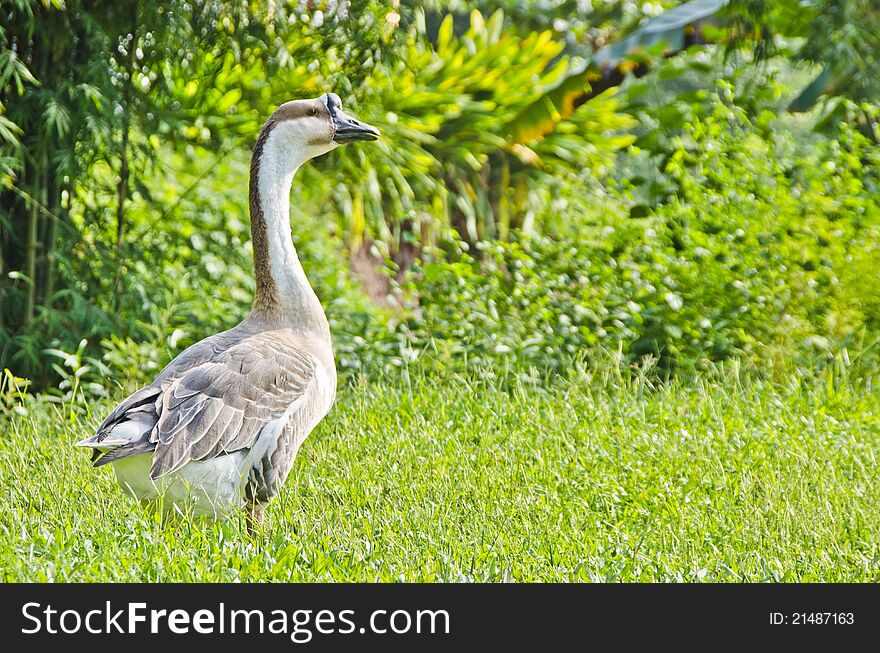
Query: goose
[[217, 431]]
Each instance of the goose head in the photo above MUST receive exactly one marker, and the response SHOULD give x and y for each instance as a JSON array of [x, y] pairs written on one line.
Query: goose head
[[315, 126]]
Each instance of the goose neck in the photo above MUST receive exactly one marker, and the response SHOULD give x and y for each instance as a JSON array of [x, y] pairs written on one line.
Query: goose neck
[[283, 293]]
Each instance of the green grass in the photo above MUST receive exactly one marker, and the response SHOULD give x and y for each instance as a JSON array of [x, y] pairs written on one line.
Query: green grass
[[597, 478]]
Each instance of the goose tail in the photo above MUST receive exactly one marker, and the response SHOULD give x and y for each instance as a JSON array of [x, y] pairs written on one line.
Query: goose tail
[[127, 431], [127, 438]]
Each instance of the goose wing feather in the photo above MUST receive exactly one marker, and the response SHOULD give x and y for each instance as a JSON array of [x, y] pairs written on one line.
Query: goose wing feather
[[223, 405], [215, 398]]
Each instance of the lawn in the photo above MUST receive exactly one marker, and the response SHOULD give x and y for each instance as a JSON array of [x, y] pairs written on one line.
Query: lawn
[[424, 478]]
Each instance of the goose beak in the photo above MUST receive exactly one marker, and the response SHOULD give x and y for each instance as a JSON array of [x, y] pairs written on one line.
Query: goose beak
[[347, 129], [350, 129]]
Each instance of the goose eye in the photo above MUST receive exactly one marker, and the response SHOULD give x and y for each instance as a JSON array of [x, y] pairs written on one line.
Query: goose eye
[[313, 112]]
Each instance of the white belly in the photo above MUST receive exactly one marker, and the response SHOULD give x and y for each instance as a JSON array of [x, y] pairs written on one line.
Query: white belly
[[209, 488]]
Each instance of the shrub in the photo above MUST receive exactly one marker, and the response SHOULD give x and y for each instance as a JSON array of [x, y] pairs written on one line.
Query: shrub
[[765, 249]]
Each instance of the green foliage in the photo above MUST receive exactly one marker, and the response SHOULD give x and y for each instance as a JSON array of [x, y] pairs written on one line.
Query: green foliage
[[479, 130], [635, 222], [766, 249], [840, 36], [669, 32], [14, 397]]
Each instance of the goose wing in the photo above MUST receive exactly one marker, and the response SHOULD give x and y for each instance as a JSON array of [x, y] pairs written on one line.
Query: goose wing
[[224, 404], [220, 404]]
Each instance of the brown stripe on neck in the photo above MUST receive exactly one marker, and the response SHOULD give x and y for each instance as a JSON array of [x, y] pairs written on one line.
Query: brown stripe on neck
[[268, 301], [267, 291]]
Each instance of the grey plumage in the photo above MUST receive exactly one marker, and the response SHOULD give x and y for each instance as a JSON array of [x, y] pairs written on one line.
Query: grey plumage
[[216, 398]]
